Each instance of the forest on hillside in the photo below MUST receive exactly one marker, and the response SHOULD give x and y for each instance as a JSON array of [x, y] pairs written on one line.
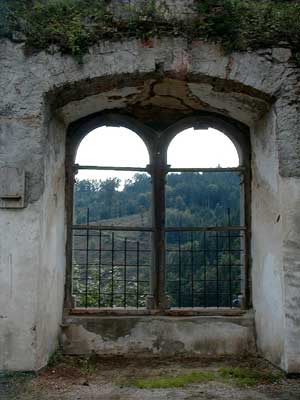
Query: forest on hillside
[[202, 269], [192, 199]]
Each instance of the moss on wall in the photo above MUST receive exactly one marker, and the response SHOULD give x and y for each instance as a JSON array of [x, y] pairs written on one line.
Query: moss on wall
[[74, 25]]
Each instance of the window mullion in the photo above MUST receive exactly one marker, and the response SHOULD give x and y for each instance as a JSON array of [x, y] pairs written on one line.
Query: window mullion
[[158, 173]]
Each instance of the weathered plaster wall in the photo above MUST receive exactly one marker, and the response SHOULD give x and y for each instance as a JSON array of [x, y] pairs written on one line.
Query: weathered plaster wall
[[164, 336], [19, 261], [51, 274], [275, 264], [266, 249], [32, 243], [289, 189], [43, 93]]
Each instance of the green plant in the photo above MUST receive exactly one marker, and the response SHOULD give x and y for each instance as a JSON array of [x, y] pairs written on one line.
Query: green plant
[[55, 358], [85, 365], [74, 25], [71, 25], [245, 24], [236, 375], [249, 376], [176, 381]]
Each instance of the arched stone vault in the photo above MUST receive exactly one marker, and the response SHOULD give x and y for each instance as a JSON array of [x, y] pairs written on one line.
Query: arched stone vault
[[43, 95]]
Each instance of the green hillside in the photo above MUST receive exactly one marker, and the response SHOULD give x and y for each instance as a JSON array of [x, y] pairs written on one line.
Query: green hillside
[[202, 269]]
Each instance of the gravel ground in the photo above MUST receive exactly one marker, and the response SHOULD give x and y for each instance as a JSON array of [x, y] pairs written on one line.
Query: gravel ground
[[111, 379]]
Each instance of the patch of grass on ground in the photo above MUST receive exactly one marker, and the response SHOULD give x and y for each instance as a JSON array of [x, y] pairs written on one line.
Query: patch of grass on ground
[[249, 376], [175, 381], [238, 376]]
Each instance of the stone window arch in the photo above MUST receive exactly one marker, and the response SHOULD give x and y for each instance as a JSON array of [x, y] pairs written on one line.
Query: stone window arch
[[159, 296]]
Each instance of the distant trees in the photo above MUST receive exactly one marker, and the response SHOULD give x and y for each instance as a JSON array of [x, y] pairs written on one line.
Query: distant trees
[[191, 198], [202, 268]]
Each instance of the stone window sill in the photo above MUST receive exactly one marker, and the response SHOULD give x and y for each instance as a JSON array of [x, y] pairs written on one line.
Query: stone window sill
[[173, 312]]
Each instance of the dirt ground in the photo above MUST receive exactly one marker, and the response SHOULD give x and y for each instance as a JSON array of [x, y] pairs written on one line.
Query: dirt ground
[[73, 378]]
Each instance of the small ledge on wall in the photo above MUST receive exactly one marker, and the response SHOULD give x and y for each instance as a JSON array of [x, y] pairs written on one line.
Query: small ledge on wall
[[174, 312]]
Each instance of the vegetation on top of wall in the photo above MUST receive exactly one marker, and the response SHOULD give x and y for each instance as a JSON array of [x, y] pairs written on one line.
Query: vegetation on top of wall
[[73, 26], [244, 24]]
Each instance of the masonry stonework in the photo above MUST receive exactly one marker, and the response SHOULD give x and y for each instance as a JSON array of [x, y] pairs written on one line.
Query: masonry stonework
[[165, 79]]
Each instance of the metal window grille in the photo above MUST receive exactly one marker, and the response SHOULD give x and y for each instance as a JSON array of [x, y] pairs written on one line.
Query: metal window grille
[[204, 268], [111, 267]]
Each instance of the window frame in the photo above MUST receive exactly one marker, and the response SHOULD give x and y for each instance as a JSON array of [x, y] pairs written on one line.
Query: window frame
[[157, 143]]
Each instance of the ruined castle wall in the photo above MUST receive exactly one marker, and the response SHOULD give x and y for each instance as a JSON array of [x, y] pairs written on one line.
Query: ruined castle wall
[[42, 94], [51, 275], [266, 254]]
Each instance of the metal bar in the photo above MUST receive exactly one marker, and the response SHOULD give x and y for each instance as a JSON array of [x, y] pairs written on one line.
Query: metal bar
[[87, 259], [192, 264], [229, 259], [201, 250], [179, 270], [206, 229], [112, 228], [99, 168], [115, 280], [116, 250], [146, 169], [168, 229], [119, 265], [223, 265], [112, 268], [207, 280], [125, 272], [158, 174], [99, 268], [205, 270], [69, 204], [137, 272], [217, 267], [237, 169]]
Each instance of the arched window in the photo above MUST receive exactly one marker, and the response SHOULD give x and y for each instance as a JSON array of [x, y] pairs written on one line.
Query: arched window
[[160, 226], [206, 148], [111, 258], [203, 198], [111, 162]]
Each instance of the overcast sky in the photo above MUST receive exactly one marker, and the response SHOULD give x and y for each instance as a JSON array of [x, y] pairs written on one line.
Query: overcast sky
[[110, 146]]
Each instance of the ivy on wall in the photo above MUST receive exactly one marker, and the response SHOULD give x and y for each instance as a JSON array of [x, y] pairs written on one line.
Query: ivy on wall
[[73, 26]]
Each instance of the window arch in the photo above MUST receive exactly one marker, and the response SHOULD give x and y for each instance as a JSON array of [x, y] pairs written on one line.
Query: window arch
[[111, 259], [208, 148], [112, 146], [204, 259], [192, 250]]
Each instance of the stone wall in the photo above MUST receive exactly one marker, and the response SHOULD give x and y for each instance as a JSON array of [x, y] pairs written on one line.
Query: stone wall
[[159, 335], [42, 94]]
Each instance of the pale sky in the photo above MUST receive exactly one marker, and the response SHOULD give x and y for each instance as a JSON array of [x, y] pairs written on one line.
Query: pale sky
[[113, 146]]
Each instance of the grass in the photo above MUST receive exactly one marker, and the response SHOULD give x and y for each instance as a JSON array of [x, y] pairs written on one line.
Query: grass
[[237, 376], [249, 376], [176, 381]]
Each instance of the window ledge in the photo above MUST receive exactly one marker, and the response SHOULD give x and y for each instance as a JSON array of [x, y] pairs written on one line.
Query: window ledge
[[174, 312]]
